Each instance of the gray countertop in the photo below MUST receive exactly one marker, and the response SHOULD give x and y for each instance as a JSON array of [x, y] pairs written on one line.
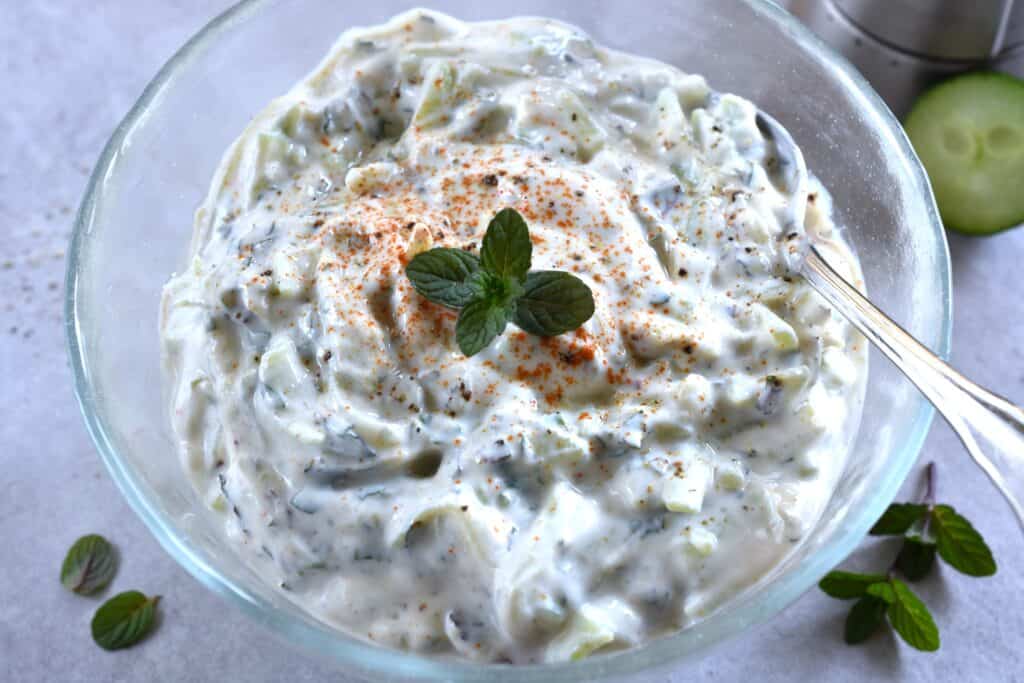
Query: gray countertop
[[70, 69]]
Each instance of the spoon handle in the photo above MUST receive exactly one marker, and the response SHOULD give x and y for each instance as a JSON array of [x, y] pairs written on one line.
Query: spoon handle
[[968, 408]]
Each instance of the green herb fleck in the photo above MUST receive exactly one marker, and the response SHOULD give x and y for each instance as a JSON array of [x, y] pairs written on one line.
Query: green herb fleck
[[960, 545]]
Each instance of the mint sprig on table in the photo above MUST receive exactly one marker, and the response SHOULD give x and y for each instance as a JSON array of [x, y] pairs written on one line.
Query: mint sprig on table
[[498, 287], [927, 529], [121, 621]]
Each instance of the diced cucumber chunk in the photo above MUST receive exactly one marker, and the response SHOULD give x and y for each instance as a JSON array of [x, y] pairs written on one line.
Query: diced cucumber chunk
[[300, 122], [367, 178], [280, 368], [730, 476], [969, 134], [306, 433], [584, 637], [700, 541], [588, 134], [292, 271], [553, 442], [686, 493], [439, 94], [219, 503], [671, 124]]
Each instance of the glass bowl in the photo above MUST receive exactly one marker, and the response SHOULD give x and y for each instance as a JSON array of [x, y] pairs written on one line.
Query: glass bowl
[[134, 226]]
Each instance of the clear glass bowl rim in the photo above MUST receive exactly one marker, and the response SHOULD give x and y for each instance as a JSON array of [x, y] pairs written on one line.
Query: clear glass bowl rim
[[373, 660]]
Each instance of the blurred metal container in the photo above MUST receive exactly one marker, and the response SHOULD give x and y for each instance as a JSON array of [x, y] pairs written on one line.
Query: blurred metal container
[[901, 46]]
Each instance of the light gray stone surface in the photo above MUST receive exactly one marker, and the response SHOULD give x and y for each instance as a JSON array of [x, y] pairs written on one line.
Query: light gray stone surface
[[69, 70]]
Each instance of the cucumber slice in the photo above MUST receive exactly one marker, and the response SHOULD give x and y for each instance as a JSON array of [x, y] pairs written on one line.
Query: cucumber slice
[[969, 133]]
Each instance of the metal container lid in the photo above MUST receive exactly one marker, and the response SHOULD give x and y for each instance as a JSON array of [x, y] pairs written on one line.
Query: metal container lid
[[902, 46], [954, 30]]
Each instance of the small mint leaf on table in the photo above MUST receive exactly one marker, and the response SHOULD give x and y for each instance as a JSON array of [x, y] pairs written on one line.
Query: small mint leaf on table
[[849, 585], [442, 276], [898, 518], [552, 303], [916, 558], [911, 618], [866, 615], [960, 544], [89, 566], [506, 249], [124, 620], [882, 591], [479, 323]]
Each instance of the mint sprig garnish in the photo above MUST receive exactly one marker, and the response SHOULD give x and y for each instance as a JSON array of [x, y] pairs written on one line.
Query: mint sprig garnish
[[928, 530], [498, 287]]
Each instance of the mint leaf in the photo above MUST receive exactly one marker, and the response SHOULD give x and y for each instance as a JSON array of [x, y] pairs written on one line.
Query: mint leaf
[[866, 615], [498, 287], [849, 585], [506, 248], [478, 324], [907, 614], [123, 620], [898, 518], [498, 290], [911, 618], [553, 302], [959, 543], [441, 276], [882, 591], [916, 558], [89, 566]]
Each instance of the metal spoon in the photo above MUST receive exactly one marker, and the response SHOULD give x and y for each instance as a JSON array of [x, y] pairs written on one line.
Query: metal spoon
[[968, 408]]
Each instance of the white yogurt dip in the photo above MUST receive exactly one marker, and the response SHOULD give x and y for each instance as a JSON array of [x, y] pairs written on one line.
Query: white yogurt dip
[[548, 497]]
